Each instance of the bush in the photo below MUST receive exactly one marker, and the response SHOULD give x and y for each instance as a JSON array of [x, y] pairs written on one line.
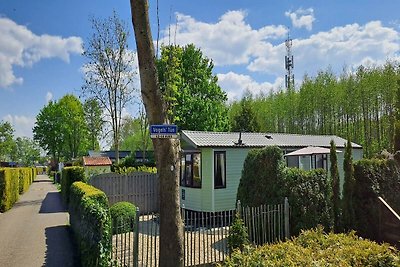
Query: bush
[[238, 236], [91, 224], [374, 178], [69, 176], [123, 216], [25, 179], [9, 188], [308, 193], [315, 248], [262, 181], [125, 170]]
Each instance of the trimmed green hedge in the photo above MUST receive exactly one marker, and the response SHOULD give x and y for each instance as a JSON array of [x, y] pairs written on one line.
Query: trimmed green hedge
[[308, 193], [315, 248], [68, 177], [123, 216], [91, 223], [13, 181], [374, 178]]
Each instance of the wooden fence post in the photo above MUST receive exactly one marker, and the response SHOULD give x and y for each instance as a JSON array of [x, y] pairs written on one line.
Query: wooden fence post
[[286, 214]]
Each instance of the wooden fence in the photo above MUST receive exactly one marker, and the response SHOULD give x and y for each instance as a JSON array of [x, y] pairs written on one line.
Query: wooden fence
[[389, 224], [139, 188]]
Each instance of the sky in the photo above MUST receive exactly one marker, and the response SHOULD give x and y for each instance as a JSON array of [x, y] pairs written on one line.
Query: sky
[[41, 43]]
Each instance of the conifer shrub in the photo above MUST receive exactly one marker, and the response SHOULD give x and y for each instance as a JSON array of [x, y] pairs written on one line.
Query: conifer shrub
[[91, 224], [308, 193], [316, 248], [262, 180], [238, 237], [69, 176], [123, 216]]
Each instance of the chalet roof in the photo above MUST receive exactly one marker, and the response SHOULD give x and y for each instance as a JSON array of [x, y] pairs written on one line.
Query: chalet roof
[[97, 161], [310, 150], [110, 153], [230, 139]]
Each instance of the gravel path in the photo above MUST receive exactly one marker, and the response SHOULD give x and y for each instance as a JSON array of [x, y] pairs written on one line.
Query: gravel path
[[35, 231]]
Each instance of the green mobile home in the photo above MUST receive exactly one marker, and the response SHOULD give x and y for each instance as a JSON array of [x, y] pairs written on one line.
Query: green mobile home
[[212, 162]]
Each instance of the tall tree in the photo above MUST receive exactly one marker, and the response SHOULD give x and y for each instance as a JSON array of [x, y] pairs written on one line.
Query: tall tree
[[348, 188], [26, 152], [109, 73], [335, 187], [166, 150], [194, 99], [94, 121], [48, 130], [6, 140], [74, 126], [245, 119]]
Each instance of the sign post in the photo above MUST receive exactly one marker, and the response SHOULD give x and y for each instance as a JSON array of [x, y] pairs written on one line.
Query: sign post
[[163, 131]]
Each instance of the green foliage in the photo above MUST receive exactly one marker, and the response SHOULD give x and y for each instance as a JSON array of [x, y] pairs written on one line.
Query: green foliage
[[9, 188], [94, 121], [125, 170], [245, 119], [14, 181], [6, 140], [396, 136], [360, 104], [26, 152], [335, 183], [315, 248], [348, 188], [123, 216], [309, 194], [135, 134], [238, 237], [374, 178], [261, 181], [194, 99], [91, 224], [68, 177]]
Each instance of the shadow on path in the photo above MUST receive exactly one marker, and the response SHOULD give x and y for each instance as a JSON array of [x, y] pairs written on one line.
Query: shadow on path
[[59, 248], [52, 203]]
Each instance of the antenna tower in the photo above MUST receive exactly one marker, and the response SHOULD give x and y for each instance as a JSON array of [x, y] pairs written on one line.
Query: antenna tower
[[289, 64]]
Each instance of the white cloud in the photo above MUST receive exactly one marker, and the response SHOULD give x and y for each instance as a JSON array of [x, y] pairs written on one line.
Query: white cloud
[[22, 125], [49, 97], [21, 47], [302, 18], [235, 84], [230, 41], [350, 45]]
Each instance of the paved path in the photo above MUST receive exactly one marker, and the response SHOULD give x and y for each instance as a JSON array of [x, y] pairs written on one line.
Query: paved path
[[35, 231]]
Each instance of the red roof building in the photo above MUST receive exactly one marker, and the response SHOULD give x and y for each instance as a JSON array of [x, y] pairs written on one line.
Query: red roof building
[[96, 161]]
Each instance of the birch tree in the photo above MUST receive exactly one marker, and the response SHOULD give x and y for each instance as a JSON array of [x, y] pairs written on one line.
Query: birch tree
[[110, 71]]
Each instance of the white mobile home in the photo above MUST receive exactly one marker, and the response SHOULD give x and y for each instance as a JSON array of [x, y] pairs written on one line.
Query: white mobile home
[[212, 162]]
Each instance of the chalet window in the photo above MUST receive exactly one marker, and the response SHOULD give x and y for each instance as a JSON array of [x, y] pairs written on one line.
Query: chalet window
[[190, 169], [219, 169]]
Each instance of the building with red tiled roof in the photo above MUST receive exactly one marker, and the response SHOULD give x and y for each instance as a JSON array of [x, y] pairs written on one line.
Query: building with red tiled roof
[[96, 165]]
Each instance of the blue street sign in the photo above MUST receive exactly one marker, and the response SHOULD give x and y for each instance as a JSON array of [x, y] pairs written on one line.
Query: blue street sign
[[163, 131]]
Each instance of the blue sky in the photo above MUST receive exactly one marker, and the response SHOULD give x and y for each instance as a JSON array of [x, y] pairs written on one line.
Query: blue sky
[[41, 43]]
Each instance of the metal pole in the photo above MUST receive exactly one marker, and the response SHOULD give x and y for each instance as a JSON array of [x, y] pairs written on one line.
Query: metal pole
[[136, 245], [286, 212]]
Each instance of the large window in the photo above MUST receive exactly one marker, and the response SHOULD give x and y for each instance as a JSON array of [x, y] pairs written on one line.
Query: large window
[[219, 169], [191, 169]]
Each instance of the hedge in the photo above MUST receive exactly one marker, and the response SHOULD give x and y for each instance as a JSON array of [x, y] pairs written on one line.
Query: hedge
[[91, 224], [374, 178], [308, 193], [123, 216], [13, 181], [315, 248], [68, 177]]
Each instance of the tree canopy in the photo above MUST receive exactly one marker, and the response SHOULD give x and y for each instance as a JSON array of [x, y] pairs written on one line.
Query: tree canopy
[[194, 99], [6, 140]]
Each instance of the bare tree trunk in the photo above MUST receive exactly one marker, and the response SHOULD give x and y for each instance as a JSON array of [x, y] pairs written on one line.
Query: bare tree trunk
[[166, 150]]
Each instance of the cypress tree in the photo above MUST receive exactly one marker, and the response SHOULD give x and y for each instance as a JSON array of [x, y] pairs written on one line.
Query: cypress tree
[[348, 188], [335, 188]]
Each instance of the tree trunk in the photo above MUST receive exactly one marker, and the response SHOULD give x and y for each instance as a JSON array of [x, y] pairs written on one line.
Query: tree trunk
[[166, 150]]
